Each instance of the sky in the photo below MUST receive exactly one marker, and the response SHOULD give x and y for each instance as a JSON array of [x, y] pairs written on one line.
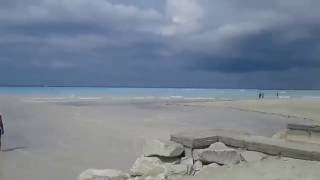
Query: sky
[[272, 44]]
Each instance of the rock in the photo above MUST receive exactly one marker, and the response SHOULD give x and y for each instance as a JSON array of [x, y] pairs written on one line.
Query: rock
[[195, 154], [188, 152], [252, 156], [147, 166], [189, 163], [297, 150], [221, 154], [197, 166], [186, 161], [212, 165], [106, 174], [162, 148], [154, 166], [172, 169]]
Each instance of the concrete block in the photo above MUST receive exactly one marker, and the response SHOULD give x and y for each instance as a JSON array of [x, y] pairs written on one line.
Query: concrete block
[[306, 151], [304, 127]]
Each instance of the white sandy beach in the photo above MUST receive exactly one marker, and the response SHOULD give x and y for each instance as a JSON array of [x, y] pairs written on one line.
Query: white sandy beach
[[57, 138]]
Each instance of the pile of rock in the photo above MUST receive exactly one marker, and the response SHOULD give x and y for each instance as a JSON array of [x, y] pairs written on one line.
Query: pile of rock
[[168, 160]]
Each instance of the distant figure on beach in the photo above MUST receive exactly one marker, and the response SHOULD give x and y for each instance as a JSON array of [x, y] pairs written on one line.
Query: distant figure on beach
[[260, 95], [1, 129], [277, 94]]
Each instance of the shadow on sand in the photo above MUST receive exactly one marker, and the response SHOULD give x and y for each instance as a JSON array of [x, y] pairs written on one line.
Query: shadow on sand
[[13, 149]]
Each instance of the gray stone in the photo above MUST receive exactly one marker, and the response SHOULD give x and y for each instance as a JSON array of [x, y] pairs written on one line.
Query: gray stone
[[155, 166], [186, 161], [266, 145], [175, 169], [195, 154], [147, 166], [162, 148], [189, 163], [212, 165], [252, 156], [105, 174], [221, 154], [197, 166], [203, 139], [188, 152]]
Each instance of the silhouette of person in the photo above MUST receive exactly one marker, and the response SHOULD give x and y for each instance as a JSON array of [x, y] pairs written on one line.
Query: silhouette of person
[[1, 129]]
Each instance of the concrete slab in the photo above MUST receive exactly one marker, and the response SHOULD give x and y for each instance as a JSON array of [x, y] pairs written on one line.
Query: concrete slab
[[304, 127], [202, 139]]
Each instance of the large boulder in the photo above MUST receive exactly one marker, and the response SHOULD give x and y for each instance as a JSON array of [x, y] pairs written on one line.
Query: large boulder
[[221, 154], [105, 174], [155, 166], [162, 148]]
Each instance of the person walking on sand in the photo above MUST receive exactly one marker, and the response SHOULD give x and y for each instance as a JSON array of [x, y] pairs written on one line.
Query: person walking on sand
[[1, 129]]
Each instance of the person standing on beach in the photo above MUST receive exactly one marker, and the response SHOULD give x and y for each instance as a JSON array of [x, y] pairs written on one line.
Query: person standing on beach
[[1, 129]]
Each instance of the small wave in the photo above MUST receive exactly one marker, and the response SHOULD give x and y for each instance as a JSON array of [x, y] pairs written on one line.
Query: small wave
[[311, 97], [176, 97], [89, 98], [284, 97]]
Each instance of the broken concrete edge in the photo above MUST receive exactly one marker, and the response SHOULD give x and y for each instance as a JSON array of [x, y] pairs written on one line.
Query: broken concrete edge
[[203, 139], [304, 127], [197, 140]]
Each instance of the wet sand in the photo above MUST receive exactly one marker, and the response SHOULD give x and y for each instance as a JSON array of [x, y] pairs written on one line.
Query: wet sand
[[57, 138]]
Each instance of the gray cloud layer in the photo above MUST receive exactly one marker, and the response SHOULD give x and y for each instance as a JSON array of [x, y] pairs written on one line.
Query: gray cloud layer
[[197, 43]]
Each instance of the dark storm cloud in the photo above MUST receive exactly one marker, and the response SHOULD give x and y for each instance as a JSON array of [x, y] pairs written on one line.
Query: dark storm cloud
[[198, 43], [266, 51]]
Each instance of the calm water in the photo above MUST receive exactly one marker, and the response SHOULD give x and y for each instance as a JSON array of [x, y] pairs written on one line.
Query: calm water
[[157, 92]]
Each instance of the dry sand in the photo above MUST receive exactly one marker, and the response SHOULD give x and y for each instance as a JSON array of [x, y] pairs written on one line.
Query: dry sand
[[57, 138], [269, 169], [300, 108]]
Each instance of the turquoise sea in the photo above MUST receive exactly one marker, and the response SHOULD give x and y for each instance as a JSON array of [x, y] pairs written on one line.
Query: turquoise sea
[[222, 94]]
